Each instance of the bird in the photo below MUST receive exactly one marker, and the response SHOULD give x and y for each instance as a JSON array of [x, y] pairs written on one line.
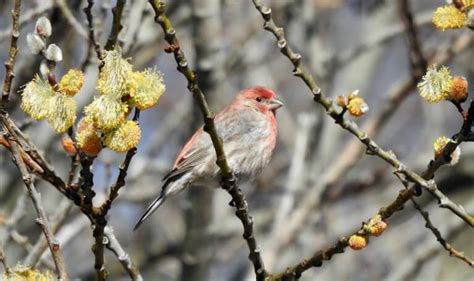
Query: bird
[[248, 129]]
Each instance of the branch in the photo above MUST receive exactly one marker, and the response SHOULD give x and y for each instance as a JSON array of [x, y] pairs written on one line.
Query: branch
[[42, 219], [15, 33], [117, 11], [372, 148], [35, 254], [417, 59], [97, 214], [114, 245], [452, 252], [27, 17], [228, 181], [62, 5], [90, 23]]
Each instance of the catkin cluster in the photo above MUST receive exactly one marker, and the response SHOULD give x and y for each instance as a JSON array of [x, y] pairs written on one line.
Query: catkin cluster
[[119, 90]]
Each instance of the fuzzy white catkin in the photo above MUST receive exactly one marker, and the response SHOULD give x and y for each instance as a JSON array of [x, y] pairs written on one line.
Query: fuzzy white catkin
[[35, 43], [43, 27], [54, 53], [44, 69]]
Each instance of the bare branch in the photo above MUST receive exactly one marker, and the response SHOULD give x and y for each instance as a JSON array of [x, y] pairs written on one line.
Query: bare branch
[[228, 181], [71, 19], [452, 252], [117, 11], [15, 33], [372, 148], [114, 245], [90, 22], [42, 219]]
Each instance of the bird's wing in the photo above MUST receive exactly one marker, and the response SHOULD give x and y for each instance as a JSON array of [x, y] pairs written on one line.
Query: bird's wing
[[186, 163], [189, 156]]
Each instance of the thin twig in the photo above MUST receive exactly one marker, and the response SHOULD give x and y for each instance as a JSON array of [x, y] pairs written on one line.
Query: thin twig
[[27, 17], [15, 33], [35, 254], [42, 219], [117, 11], [452, 252], [114, 245], [372, 148], [62, 5], [15, 216], [417, 59], [228, 181], [90, 23]]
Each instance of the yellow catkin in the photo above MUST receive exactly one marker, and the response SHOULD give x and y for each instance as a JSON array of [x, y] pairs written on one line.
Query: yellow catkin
[[435, 85], [124, 138], [35, 98], [357, 106], [448, 17], [146, 88], [358, 242], [468, 4], [114, 75], [439, 145], [26, 273], [106, 112], [71, 83], [61, 112], [375, 226]]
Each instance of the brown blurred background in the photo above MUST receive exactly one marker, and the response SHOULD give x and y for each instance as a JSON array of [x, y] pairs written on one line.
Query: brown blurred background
[[316, 188]]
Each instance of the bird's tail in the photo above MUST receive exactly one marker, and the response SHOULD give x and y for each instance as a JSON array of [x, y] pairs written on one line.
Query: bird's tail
[[152, 208]]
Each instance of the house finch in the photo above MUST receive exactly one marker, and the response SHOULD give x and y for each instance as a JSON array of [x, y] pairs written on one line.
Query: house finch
[[248, 129]]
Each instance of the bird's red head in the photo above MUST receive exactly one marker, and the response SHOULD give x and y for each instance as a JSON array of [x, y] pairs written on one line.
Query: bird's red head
[[261, 98]]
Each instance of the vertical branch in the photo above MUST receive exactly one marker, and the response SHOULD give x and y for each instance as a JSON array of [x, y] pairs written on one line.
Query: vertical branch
[[42, 219], [117, 11], [228, 181], [90, 23], [7, 84], [98, 213], [417, 59]]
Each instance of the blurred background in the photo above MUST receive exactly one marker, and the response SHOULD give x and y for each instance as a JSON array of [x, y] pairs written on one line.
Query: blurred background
[[319, 184]]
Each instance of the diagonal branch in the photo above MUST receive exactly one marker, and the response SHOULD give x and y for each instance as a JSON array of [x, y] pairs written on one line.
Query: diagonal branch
[[452, 252], [228, 181], [42, 219], [372, 147], [114, 246]]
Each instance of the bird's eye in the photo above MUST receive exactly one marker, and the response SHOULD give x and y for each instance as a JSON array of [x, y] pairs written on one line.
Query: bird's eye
[[259, 99]]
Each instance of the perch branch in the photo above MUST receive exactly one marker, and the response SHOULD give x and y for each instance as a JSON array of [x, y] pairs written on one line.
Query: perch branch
[[228, 181]]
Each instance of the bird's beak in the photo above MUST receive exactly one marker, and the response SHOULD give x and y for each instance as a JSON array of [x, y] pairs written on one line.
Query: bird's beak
[[274, 104]]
